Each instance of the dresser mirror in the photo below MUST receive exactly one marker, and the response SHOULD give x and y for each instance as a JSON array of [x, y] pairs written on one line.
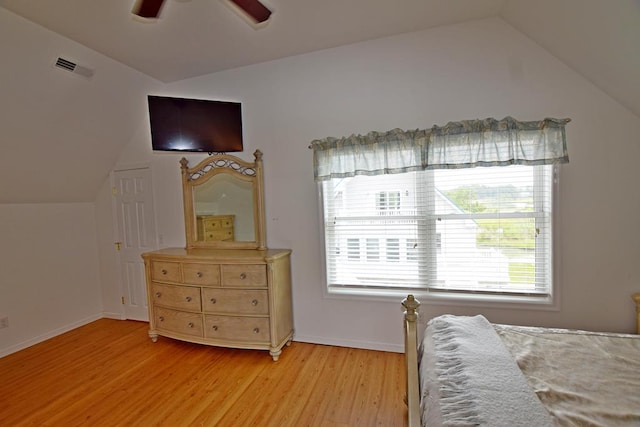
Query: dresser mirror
[[224, 203]]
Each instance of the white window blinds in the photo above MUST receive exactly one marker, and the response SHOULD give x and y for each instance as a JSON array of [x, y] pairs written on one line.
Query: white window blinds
[[480, 229]]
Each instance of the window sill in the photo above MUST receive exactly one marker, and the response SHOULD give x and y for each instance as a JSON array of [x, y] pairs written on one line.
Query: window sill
[[511, 302]]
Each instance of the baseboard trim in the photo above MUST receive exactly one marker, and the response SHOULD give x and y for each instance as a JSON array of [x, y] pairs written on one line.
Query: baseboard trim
[[58, 331], [116, 316], [366, 345]]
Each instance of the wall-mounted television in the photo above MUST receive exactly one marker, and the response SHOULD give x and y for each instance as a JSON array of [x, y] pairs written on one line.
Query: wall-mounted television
[[180, 124]]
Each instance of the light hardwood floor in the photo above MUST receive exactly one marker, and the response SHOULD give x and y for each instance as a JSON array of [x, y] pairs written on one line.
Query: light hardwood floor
[[109, 373]]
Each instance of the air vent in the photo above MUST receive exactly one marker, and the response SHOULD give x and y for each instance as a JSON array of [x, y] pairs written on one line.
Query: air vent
[[72, 67]]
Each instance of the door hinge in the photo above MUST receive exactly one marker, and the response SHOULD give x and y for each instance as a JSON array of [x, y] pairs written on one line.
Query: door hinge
[[122, 299], [114, 191], [118, 245]]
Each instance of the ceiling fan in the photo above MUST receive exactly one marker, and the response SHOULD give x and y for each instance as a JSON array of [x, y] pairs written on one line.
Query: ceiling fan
[[256, 10]]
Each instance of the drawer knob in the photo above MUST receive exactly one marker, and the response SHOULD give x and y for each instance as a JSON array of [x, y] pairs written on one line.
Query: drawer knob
[[213, 301], [199, 274], [256, 330], [214, 327], [190, 324], [254, 302], [158, 294], [243, 276], [188, 299], [164, 271], [161, 318]]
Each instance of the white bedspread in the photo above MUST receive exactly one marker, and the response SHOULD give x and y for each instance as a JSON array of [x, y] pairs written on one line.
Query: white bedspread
[[477, 381], [583, 378]]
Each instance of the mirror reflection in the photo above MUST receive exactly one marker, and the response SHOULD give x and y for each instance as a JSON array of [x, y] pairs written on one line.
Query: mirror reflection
[[224, 210], [224, 203]]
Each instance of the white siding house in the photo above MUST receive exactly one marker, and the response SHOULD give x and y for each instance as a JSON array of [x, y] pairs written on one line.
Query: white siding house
[[381, 233]]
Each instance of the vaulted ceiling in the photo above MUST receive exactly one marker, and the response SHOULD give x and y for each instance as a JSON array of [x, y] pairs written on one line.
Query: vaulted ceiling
[[57, 128], [598, 39]]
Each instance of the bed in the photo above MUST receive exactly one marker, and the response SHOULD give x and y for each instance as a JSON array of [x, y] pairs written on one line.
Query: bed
[[466, 371]]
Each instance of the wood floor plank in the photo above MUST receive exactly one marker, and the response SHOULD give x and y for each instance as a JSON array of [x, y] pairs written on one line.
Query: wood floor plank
[[109, 373], [326, 394], [293, 381]]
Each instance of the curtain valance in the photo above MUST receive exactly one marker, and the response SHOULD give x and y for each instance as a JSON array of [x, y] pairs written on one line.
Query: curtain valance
[[463, 144]]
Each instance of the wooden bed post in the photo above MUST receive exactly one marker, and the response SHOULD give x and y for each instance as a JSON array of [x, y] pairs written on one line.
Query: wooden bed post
[[412, 399], [636, 298]]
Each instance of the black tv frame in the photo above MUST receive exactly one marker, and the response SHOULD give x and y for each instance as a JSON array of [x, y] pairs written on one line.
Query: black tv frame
[[197, 125]]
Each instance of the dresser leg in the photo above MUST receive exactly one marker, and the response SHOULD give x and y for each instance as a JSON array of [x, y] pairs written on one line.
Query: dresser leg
[[275, 354], [153, 336]]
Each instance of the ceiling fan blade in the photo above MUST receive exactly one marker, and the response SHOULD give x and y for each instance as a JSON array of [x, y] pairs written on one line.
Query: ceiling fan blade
[[147, 8], [254, 9]]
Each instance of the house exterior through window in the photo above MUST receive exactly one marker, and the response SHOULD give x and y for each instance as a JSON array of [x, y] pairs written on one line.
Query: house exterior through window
[[479, 231]]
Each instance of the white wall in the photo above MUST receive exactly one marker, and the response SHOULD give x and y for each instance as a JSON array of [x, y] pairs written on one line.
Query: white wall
[[60, 136], [50, 282], [474, 70], [66, 127]]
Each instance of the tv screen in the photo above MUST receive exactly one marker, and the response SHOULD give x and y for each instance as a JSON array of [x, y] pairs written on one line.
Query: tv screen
[[179, 124]]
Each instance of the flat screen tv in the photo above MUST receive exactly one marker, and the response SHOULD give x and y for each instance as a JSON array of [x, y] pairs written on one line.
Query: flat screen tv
[[180, 124]]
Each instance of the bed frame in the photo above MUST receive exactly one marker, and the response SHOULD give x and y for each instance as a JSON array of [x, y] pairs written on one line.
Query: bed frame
[[412, 398], [636, 298]]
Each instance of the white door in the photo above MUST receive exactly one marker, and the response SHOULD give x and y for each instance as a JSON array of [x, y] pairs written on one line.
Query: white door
[[136, 234]]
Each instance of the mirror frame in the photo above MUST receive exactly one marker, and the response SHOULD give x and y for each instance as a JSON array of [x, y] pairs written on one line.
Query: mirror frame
[[238, 169]]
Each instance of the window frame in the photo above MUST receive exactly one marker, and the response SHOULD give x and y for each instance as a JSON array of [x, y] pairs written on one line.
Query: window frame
[[551, 302]]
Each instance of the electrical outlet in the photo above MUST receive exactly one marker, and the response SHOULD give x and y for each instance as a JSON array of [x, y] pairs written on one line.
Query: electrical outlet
[[4, 322]]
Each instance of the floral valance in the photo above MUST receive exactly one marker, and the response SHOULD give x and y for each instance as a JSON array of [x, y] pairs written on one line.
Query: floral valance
[[463, 144]]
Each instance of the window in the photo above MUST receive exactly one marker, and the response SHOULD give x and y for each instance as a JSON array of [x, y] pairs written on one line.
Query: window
[[373, 250], [485, 230], [388, 202], [461, 210], [393, 250], [353, 249]]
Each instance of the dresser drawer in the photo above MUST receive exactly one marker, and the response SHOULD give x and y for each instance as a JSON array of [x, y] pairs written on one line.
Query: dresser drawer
[[178, 321], [166, 271], [246, 329], [216, 223], [235, 301], [244, 275], [181, 297], [201, 274], [223, 235]]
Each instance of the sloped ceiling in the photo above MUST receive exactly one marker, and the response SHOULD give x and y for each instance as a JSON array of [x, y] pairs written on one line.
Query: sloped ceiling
[[61, 133], [598, 39], [50, 120], [196, 37]]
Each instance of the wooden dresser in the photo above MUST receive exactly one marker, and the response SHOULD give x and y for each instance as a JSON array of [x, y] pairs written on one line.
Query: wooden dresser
[[221, 297], [215, 227], [225, 288]]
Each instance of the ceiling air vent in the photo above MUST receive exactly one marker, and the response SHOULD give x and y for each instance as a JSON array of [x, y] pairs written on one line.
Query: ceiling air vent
[[72, 67]]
